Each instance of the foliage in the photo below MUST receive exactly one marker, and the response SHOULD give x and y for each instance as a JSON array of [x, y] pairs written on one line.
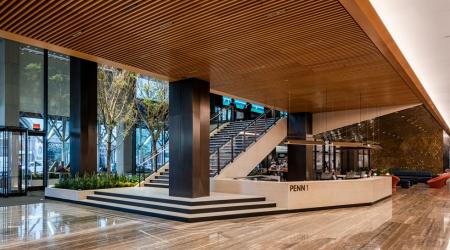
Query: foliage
[[97, 181], [116, 92], [40, 176], [153, 109]]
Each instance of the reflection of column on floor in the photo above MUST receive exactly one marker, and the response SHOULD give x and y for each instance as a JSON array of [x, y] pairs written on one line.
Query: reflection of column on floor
[[124, 152], [9, 83]]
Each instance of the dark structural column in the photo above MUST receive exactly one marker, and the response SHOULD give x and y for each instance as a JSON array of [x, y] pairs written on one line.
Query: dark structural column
[[349, 160], [83, 114], [189, 138], [299, 126]]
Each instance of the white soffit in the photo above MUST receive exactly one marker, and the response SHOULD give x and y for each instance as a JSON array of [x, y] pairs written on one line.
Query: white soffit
[[421, 29]]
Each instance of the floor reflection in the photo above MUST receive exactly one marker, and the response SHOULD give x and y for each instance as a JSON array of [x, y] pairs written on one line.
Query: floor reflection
[[417, 218], [37, 221]]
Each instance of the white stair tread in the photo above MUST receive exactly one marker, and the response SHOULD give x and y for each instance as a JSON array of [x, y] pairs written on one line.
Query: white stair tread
[[183, 215], [184, 206]]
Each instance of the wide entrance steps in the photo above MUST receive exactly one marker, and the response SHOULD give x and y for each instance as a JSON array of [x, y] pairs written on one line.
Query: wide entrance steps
[[151, 202]]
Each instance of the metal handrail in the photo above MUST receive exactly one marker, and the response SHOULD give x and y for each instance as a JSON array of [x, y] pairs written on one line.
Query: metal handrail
[[241, 133], [218, 115], [166, 147], [245, 129], [142, 173]]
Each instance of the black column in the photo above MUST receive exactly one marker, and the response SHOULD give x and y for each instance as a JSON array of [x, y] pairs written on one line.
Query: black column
[[189, 138], [299, 125], [83, 116]]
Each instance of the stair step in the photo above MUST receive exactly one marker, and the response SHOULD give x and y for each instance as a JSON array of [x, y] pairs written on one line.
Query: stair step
[[183, 201], [162, 177], [182, 216], [157, 185], [159, 181], [183, 208]]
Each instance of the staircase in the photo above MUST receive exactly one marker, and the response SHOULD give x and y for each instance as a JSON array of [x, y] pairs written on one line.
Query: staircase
[[226, 143]]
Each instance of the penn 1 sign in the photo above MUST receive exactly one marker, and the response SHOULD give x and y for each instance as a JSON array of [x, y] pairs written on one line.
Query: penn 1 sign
[[298, 188]]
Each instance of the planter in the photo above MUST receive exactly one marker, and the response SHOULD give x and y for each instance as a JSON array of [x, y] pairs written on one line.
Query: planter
[[67, 194]]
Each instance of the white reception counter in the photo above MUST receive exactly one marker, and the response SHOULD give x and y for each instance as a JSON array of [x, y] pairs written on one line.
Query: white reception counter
[[311, 194]]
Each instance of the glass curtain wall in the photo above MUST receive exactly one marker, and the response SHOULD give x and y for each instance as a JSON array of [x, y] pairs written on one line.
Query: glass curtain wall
[[33, 109], [58, 136]]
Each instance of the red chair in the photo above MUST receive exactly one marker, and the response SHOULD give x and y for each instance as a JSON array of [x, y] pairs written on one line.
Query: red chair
[[395, 181], [438, 182]]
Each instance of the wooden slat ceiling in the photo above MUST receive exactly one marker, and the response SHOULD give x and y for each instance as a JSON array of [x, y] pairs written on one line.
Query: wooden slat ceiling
[[299, 55]]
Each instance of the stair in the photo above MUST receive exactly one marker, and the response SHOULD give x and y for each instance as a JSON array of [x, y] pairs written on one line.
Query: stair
[[218, 140], [182, 209], [160, 181]]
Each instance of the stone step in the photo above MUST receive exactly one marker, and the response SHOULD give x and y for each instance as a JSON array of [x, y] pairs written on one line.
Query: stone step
[[183, 208], [183, 201], [157, 185], [161, 181], [183, 216]]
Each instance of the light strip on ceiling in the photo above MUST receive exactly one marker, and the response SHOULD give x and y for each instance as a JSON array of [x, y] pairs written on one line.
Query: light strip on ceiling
[[420, 30]]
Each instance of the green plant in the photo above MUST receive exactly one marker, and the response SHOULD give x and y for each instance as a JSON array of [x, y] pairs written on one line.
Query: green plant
[[97, 181]]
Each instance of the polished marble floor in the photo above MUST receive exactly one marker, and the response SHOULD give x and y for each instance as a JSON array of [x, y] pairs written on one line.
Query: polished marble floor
[[418, 218]]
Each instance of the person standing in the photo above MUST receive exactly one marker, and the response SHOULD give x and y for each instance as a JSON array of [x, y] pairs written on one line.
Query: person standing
[[248, 111], [233, 110]]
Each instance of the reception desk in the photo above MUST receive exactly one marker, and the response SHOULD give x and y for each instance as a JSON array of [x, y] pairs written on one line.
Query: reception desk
[[305, 195]]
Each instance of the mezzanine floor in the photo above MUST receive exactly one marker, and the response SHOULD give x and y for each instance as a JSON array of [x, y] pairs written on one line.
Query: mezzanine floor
[[418, 218]]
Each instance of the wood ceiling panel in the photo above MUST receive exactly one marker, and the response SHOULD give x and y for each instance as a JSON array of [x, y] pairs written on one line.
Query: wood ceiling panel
[[296, 55]]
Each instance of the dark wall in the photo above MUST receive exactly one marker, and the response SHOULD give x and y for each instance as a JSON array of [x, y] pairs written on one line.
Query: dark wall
[[409, 139]]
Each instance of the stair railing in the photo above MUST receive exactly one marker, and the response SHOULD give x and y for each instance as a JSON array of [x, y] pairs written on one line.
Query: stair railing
[[247, 136], [161, 160], [218, 119]]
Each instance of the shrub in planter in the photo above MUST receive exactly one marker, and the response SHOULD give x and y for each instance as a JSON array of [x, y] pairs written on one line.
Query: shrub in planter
[[96, 181]]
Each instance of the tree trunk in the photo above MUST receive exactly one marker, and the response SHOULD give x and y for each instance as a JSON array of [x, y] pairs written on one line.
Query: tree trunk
[[108, 149], [154, 153]]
